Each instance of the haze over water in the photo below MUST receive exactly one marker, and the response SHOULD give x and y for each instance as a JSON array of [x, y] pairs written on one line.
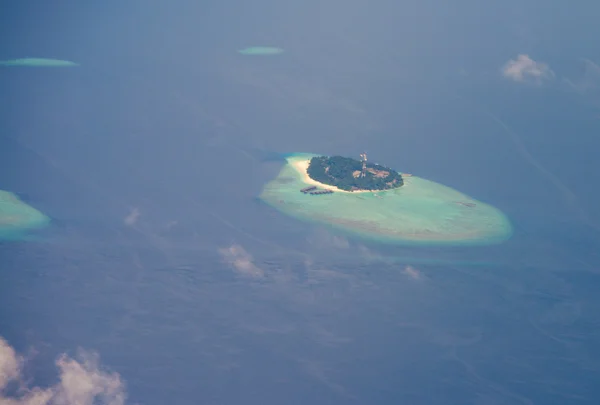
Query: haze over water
[[160, 258]]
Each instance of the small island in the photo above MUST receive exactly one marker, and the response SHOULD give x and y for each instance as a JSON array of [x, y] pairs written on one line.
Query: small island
[[407, 210], [353, 175]]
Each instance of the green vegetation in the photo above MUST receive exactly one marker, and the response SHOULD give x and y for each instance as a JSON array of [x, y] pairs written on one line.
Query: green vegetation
[[345, 173]]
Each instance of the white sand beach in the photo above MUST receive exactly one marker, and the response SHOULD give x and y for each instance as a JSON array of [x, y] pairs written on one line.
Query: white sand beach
[[301, 166]]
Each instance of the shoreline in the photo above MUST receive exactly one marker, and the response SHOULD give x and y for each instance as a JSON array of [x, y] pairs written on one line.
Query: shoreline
[[301, 166]]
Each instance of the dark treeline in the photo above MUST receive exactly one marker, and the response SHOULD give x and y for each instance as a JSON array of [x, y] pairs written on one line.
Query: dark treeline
[[339, 171]]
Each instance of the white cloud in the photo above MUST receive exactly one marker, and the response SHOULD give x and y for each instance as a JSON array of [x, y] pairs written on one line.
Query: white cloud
[[412, 273], [10, 364], [242, 261], [525, 69], [132, 218], [81, 382]]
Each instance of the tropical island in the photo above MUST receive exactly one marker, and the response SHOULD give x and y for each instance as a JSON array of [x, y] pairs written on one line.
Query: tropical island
[[353, 175], [391, 208]]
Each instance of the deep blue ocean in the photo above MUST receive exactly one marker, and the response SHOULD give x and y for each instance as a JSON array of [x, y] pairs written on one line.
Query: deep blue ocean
[[149, 157]]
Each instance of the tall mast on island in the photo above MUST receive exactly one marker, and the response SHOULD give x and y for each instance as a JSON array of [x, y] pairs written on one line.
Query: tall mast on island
[[363, 158]]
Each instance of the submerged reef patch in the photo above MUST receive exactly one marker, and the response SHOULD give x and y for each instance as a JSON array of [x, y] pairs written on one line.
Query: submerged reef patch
[[17, 218], [260, 50], [38, 62]]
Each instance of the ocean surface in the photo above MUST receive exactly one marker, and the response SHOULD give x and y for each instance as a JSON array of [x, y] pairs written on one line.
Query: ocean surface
[[149, 158]]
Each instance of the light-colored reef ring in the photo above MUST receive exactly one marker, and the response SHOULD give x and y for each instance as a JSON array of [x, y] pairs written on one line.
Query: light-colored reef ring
[[38, 62], [419, 212], [260, 50], [17, 218]]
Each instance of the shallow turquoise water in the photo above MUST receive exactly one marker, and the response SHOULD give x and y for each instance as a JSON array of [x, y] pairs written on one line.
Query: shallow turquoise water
[[420, 212], [17, 218], [261, 50], [38, 62]]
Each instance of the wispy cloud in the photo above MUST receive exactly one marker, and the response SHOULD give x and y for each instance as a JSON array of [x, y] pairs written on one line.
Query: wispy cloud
[[322, 239], [132, 217], [368, 253], [412, 273], [295, 91], [319, 274], [525, 69], [322, 372], [81, 382], [242, 261], [589, 81]]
